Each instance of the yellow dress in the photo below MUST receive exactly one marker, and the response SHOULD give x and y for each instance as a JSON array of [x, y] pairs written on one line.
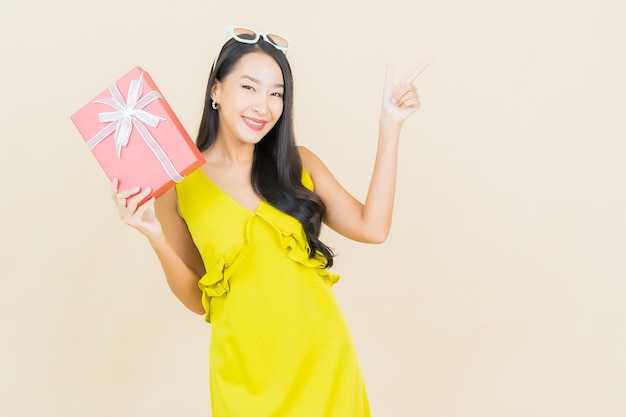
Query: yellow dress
[[280, 346]]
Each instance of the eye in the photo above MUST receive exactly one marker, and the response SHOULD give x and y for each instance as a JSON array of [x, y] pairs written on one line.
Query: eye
[[277, 94], [248, 87]]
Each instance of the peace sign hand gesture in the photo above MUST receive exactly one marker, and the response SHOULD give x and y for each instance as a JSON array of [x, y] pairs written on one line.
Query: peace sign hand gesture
[[401, 100]]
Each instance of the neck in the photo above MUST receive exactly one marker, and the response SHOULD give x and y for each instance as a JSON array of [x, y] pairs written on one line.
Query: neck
[[232, 153]]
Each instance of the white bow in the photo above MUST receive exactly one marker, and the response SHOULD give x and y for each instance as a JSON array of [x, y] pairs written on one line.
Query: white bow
[[130, 113]]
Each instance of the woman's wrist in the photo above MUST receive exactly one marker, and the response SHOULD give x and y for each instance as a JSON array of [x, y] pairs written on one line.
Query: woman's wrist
[[389, 128], [158, 241]]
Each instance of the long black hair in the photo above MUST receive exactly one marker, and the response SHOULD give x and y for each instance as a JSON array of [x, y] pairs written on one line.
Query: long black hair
[[277, 167]]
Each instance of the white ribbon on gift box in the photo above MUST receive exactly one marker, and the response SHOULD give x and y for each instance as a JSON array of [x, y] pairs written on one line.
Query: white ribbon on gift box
[[129, 114]]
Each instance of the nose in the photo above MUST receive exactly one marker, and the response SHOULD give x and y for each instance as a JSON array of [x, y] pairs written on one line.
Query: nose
[[260, 105]]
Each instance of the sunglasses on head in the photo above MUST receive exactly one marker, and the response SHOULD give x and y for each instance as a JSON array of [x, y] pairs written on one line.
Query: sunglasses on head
[[246, 35]]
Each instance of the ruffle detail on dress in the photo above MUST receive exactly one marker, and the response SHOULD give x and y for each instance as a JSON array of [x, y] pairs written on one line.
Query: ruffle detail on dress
[[294, 240], [215, 282]]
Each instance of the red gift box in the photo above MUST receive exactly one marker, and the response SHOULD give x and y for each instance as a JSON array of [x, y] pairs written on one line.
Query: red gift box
[[136, 137]]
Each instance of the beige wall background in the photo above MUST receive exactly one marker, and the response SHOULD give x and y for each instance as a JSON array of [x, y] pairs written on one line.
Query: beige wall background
[[500, 289]]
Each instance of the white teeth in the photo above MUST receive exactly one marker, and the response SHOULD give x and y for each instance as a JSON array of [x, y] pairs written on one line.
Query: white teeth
[[254, 123]]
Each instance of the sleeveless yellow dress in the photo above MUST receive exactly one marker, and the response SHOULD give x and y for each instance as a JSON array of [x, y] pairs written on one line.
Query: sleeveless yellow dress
[[280, 346]]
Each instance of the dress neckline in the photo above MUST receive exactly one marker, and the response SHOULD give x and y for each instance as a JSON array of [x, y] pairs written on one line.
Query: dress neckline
[[228, 196]]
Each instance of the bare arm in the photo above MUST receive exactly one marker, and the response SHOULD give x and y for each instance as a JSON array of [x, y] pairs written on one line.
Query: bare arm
[[370, 221], [170, 239], [367, 222]]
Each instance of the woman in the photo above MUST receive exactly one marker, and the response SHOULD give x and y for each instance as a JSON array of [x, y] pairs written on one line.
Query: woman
[[238, 239]]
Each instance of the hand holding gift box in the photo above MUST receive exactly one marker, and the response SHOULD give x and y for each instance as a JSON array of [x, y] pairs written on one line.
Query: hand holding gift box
[[136, 137]]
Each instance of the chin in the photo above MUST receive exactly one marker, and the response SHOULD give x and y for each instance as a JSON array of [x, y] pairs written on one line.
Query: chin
[[253, 139]]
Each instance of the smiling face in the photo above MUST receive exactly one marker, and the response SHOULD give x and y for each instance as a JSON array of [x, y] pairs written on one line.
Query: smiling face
[[250, 98]]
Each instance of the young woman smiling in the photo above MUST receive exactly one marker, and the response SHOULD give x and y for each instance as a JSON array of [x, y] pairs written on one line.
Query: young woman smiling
[[238, 239]]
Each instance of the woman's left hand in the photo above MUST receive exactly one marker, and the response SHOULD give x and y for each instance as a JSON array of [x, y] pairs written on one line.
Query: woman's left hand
[[401, 100]]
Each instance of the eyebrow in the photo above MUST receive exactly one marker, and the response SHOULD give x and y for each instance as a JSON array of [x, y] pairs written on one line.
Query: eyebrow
[[259, 82]]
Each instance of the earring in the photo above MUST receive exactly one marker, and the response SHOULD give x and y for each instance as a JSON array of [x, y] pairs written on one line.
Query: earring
[[213, 105]]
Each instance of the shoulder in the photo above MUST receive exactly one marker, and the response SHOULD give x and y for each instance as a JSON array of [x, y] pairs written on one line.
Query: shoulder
[[310, 161], [321, 178], [305, 153]]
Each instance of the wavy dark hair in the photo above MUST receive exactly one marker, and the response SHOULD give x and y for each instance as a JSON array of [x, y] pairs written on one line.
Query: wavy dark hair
[[277, 167]]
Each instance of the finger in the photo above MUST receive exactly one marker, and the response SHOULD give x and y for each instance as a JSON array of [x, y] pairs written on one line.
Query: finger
[[410, 103], [406, 97], [128, 192], [403, 89], [133, 202], [114, 186], [418, 70], [388, 81], [122, 197], [402, 96], [145, 206]]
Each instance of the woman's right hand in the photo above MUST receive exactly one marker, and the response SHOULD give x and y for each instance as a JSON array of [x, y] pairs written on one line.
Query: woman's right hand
[[141, 217]]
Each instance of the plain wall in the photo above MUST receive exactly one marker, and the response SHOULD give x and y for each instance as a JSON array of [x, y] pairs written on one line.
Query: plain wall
[[500, 289]]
